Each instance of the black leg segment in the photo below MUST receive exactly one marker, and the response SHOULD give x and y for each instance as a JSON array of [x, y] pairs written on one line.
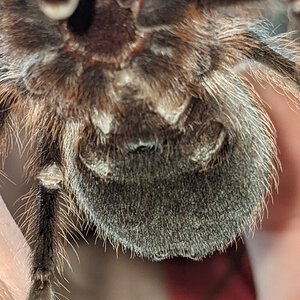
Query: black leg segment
[[44, 251]]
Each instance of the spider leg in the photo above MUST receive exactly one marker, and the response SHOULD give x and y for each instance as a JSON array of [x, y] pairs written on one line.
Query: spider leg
[[278, 54], [4, 110], [47, 225], [9, 101], [44, 260]]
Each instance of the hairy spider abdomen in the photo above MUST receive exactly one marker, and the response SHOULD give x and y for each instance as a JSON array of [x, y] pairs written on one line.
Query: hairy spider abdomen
[[206, 201]]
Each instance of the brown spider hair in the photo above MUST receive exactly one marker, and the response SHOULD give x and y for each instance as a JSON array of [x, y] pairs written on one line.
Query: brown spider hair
[[138, 120]]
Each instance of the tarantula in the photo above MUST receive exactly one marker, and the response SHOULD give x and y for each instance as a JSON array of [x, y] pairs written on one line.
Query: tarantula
[[138, 120]]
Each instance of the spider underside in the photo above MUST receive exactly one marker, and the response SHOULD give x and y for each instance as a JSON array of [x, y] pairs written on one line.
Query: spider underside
[[139, 123]]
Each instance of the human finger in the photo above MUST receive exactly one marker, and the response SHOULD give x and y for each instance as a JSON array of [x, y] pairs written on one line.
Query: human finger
[[14, 254]]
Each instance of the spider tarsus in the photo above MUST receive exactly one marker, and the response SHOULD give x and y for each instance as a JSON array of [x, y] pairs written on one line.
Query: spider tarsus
[[41, 289]]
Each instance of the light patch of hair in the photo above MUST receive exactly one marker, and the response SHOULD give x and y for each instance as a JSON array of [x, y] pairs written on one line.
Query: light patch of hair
[[58, 10]]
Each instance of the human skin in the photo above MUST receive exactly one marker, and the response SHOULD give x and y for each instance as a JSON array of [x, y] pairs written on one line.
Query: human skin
[[274, 250], [14, 257]]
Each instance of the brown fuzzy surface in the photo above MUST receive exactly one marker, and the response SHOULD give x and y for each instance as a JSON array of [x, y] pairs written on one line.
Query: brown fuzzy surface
[[111, 28]]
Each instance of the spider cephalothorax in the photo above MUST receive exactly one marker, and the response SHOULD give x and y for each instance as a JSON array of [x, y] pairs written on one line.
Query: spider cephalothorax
[[136, 116]]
